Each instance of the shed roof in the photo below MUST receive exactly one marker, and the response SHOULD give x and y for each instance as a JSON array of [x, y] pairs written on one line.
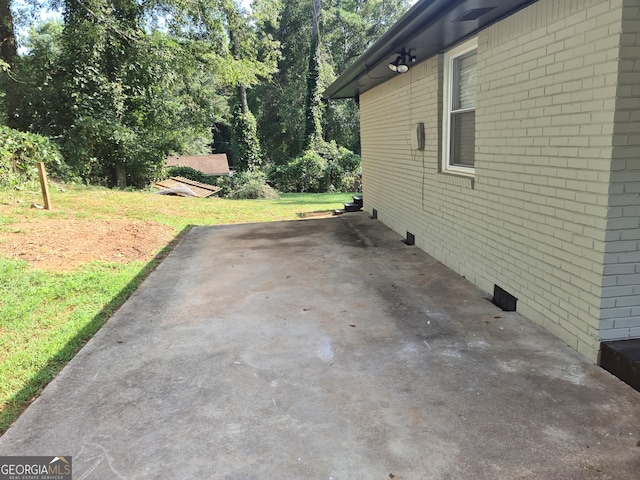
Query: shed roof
[[185, 187], [428, 28], [215, 164]]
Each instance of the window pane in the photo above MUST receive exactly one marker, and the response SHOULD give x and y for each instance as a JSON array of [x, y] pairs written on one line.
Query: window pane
[[464, 81], [463, 138]]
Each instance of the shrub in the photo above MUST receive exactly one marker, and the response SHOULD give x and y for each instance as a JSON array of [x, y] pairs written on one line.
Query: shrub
[[250, 184], [20, 154], [349, 162], [304, 174], [328, 168]]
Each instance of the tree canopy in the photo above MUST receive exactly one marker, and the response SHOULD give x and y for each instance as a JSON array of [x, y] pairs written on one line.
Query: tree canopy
[[119, 84]]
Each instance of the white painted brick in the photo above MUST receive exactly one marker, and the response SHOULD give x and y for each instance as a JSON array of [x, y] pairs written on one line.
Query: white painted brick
[[541, 218], [626, 322], [614, 334]]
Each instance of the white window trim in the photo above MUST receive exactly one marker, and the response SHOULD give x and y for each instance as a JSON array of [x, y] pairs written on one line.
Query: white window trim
[[447, 86]]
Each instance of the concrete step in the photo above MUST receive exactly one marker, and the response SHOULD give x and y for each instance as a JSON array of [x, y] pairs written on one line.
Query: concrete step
[[352, 207], [622, 358]]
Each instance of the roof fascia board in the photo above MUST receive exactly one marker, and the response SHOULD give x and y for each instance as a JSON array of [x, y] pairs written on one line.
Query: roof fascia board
[[421, 16], [415, 18]]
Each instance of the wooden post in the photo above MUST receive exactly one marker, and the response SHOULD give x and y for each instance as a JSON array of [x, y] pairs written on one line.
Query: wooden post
[[42, 173]]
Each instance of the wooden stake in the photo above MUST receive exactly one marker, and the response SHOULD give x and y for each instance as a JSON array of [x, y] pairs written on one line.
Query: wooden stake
[[42, 173]]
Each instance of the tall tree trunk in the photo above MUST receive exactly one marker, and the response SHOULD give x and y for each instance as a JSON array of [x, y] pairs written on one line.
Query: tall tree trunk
[[121, 176], [8, 54], [8, 48], [244, 106], [234, 32], [313, 129]]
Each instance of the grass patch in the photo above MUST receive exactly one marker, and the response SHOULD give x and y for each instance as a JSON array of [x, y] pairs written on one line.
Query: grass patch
[[101, 203], [46, 317]]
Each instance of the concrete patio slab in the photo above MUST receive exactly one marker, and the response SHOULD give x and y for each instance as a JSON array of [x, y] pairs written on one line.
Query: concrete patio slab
[[326, 349]]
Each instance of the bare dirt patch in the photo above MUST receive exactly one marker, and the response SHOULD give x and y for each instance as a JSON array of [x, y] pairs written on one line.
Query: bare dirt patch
[[64, 244]]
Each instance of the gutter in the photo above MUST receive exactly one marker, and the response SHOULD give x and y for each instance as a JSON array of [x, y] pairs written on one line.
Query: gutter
[[417, 17]]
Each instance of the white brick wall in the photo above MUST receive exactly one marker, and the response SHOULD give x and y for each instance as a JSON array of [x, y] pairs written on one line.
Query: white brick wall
[[538, 218], [620, 317]]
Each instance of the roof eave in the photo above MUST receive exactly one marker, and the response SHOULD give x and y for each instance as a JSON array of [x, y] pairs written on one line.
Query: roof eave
[[407, 25], [425, 16]]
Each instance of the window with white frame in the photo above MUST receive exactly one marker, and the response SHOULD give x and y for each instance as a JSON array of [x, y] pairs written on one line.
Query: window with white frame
[[459, 122]]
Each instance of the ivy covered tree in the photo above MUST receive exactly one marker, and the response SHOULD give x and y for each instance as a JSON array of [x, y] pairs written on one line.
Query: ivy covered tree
[[319, 41], [313, 111], [244, 141], [250, 42]]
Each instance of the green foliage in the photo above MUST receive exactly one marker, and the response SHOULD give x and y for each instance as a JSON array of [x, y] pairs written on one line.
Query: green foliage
[[191, 174], [249, 184], [244, 142], [252, 185], [304, 174], [21, 152], [118, 97], [278, 103], [118, 90], [348, 28], [341, 123], [39, 75], [328, 168]]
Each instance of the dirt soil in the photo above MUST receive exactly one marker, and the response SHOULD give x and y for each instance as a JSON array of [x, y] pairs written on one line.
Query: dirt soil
[[64, 244]]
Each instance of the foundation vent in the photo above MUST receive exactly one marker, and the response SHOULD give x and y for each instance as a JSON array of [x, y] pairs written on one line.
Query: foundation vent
[[374, 214], [504, 299]]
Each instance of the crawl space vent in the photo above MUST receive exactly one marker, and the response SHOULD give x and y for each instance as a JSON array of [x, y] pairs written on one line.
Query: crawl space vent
[[504, 299]]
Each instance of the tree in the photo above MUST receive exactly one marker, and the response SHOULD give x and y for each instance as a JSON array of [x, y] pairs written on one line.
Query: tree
[[8, 55], [39, 80], [313, 111], [309, 63], [8, 46], [279, 103], [350, 27], [101, 43], [250, 44]]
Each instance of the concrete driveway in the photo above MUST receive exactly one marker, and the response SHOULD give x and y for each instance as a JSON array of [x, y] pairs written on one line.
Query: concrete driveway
[[326, 349]]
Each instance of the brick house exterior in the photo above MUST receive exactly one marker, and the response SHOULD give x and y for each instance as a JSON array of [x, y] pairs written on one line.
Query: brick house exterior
[[550, 209]]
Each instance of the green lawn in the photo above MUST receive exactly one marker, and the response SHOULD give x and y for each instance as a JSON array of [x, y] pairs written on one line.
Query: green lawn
[[46, 317]]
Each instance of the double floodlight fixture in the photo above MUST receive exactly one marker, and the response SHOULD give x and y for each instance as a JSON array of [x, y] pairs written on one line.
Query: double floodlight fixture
[[402, 61]]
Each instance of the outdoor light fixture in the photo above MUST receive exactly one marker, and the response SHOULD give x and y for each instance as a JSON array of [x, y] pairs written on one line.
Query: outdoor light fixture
[[402, 61]]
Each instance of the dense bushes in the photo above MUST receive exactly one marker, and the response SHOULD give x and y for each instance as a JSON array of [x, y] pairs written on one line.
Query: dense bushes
[[20, 154], [327, 168], [250, 184]]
